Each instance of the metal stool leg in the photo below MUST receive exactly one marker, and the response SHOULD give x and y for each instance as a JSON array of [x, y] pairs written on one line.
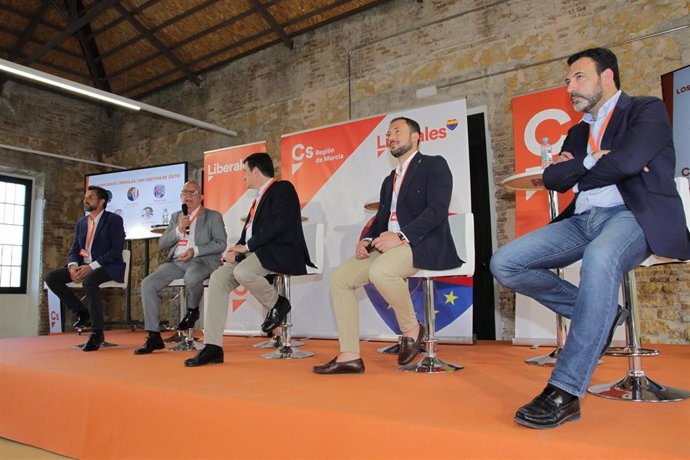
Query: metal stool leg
[[286, 350], [635, 386], [430, 363], [187, 344]]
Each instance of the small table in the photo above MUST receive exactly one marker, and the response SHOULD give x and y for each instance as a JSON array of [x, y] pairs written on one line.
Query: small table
[[531, 181]]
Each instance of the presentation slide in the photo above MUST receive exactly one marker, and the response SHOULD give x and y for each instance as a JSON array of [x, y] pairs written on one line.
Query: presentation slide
[[144, 197]]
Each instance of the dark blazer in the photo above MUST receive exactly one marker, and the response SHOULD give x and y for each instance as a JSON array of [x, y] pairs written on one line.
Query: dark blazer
[[422, 212], [106, 249], [277, 236], [639, 134]]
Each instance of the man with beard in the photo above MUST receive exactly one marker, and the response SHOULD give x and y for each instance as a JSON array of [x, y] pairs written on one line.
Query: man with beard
[[620, 161], [95, 257], [410, 232]]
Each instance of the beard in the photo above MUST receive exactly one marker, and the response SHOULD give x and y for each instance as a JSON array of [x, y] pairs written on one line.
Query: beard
[[88, 207], [401, 150], [588, 102]]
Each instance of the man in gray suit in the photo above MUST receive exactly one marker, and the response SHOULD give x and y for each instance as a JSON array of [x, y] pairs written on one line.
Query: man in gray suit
[[196, 239]]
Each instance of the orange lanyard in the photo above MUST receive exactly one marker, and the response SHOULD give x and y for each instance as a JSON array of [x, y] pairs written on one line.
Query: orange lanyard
[[256, 202], [596, 146], [91, 229], [402, 177]]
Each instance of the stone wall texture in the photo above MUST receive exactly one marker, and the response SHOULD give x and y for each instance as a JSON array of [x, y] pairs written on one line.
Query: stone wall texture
[[485, 51]]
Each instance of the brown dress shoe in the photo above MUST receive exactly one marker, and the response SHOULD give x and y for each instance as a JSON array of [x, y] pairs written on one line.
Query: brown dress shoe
[[409, 348], [356, 366]]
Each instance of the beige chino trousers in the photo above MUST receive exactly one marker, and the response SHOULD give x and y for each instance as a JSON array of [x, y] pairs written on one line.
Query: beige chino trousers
[[248, 273], [388, 272]]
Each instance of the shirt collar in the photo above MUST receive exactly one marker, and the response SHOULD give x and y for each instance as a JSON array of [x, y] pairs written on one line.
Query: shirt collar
[[603, 110], [264, 186], [403, 167]]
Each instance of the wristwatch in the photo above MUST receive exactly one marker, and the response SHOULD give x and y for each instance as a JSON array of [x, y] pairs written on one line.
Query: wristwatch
[[401, 236]]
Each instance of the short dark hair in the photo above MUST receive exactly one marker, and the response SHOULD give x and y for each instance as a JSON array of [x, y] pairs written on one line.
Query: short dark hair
[[414, 126], [262, 161], [101, 194], [603, 59]]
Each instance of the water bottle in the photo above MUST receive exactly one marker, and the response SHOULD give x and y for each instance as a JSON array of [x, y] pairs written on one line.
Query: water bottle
[[166, 217], [545, 153]]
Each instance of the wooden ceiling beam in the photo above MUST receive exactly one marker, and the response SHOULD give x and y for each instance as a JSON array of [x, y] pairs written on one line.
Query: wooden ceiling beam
[[268, 17], [161, 26], [158, 44], [29, 30], [94, 11]]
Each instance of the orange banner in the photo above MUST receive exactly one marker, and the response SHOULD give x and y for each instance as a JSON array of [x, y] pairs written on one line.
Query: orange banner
[[223, 176], [548, 114], [311, 158]]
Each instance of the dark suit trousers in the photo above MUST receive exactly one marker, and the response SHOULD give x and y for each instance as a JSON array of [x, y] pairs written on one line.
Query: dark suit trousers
[[57, 282]]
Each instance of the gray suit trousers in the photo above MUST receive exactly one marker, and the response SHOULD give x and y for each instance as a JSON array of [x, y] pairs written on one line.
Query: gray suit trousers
[[194, 273]]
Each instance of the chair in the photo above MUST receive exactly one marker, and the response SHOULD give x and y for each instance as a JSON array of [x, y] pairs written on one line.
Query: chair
[[462, 230], [314, 237], [186, 340], [636, 386], [126, 256]]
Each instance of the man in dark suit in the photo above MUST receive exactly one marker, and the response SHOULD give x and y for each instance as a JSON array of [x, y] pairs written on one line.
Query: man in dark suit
[[620, 162], [95, 258], [195, 239], [272, 241], [410, 232]]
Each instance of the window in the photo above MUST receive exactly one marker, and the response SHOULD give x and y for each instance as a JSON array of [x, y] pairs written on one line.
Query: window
[[15, 212]]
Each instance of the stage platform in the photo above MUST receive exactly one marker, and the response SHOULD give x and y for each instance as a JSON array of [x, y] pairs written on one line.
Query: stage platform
[[113, 404]]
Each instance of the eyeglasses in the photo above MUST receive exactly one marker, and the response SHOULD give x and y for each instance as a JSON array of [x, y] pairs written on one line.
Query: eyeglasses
[[189, 192]]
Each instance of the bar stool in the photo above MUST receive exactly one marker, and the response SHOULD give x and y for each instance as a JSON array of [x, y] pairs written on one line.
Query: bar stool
[[462, 230], [285, 348], [636, 386], [185, 338], [126, 257]]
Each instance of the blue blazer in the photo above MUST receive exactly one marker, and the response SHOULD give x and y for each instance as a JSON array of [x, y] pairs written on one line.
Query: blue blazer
[[106, 249], [277, 235], [422, 212], [639, 134]]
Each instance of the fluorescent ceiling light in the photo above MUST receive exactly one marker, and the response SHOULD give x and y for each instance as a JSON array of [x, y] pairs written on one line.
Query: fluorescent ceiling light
[[73, 87], [52, 80]]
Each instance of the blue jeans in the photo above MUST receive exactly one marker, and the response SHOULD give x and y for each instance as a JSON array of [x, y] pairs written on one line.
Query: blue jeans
[[610, 243]]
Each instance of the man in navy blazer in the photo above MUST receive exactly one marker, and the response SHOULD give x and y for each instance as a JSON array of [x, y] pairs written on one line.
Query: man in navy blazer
[[272, 241], [95, 257], [410, 232], [620, 162]]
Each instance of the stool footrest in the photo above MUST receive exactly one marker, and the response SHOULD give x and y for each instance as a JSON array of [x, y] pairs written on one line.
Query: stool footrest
[[630, 352]]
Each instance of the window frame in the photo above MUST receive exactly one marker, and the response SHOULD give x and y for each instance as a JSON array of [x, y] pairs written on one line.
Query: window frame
[[24, 275]]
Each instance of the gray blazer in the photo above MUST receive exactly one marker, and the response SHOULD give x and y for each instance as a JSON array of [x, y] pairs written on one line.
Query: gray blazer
[[209, 237]]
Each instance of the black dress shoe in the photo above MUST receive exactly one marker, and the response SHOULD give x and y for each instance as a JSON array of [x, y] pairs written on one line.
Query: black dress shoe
[[356, 366], [189, 319], [95, 341], [276, 315], [409, 347], [550, 409], [210, 354], [153, 342], [621, 316], [82, 319]]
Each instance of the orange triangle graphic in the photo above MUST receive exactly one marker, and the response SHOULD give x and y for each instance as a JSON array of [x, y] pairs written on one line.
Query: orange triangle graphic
[[237, 303]]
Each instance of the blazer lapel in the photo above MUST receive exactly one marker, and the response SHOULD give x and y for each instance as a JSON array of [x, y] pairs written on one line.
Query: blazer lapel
[[619, 112]]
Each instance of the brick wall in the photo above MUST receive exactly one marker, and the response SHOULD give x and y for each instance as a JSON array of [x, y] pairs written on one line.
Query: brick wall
[[486, 51]]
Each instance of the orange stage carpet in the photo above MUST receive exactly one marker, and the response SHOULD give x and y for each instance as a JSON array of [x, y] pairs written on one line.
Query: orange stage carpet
[[113, 404]]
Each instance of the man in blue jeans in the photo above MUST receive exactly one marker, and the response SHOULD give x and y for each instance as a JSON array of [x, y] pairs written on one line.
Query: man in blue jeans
[[619, 160]]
